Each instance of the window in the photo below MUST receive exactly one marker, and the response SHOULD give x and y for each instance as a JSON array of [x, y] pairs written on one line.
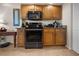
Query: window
[[16, 17]]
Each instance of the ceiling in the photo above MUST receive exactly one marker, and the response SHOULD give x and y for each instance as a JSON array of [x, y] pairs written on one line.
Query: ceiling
[[45, 3], [12, 4]]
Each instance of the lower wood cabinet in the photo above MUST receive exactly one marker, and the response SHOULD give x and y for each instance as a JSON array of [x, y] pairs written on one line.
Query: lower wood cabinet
[[60, 36], [20, 37], [54, 36], [49, 37]]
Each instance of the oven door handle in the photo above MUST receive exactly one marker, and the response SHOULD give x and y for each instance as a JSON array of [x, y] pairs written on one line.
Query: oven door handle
[[33, 29]]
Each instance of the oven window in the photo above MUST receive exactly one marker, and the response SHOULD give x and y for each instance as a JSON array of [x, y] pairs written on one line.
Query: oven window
[[33, 36]]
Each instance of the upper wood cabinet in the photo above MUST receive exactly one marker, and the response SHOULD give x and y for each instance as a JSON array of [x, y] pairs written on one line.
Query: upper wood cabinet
[[57, 12], [47, 12], [50, 12], [38, 8], [25, 9]]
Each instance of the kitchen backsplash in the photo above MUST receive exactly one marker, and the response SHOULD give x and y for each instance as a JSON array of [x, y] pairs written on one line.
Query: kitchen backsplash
[[46, 22]]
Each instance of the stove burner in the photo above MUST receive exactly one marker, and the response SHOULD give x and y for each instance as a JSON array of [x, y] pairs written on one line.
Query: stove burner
[[34, 26]]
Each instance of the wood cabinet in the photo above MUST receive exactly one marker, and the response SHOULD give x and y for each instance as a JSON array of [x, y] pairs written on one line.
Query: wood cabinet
[[47, 13], [49, 37], [57, 12], [20, 37], [60, 36], [25, 9], [39, 8], [54, 36], [50, 12]]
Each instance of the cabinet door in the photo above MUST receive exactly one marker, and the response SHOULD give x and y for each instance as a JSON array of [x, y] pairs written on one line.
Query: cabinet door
[[25, 9], [52, 12], [49, 37], [47, 13], [39, 8], [20, 37], [57, 12], [60, 36]]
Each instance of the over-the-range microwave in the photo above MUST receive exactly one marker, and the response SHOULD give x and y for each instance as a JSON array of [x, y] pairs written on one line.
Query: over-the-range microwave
[[34, 15]]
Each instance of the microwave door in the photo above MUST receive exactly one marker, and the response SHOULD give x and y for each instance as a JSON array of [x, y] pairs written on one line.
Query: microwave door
[[35, 16]]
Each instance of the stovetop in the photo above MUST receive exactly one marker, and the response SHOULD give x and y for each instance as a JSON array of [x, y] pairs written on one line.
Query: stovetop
[[34, 26]]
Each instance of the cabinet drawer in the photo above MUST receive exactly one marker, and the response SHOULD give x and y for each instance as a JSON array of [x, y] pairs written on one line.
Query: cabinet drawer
[[48, 30], [60, 29], [52, 29]]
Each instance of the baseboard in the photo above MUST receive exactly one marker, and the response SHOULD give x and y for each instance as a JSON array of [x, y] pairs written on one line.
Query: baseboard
[[76, 51], [72, 49], [68, 47]]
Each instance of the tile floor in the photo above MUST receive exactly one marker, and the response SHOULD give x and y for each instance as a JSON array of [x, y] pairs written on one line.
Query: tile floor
[[46, 51]]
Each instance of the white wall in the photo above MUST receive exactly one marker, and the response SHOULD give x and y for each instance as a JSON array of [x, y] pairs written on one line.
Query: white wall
[[10, 15], [66, 20], [7, 11], [10, 20], [75, 41]]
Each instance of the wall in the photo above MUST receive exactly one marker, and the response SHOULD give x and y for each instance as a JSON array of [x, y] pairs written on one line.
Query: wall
[[6, 13], [75, 28], [66, 20]]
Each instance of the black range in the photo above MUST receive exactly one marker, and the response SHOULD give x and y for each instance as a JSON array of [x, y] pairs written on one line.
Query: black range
[[33, 35]]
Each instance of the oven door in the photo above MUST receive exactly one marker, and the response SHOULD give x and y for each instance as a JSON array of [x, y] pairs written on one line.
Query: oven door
[[34, 35], [33, 39]]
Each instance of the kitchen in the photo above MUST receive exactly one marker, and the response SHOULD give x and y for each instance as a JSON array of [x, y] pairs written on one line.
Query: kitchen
[[51, 34], [53, 21]]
